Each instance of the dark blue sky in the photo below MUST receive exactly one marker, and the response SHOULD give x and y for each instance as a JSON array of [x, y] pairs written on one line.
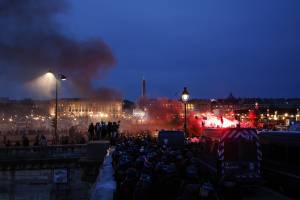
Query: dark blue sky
[[214, 47]]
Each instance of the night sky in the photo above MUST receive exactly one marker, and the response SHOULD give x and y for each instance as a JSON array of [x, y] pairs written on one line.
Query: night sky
[[214, 47]]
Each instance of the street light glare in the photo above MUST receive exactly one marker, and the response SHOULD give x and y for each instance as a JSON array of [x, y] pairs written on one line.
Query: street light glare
[[63, 77], [49, 75], [48, 78], [43, 86], [185, 95]]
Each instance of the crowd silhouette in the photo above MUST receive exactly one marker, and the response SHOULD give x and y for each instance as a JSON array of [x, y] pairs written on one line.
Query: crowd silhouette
[[99, 131], [103, 130], [40, 140], [144, 171]]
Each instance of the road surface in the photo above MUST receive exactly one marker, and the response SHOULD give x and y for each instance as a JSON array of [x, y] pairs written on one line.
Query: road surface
[[263, 193]]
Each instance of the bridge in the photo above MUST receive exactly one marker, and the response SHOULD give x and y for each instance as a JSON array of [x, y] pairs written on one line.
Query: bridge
[[39, 169], [94, 151], [40, 152]]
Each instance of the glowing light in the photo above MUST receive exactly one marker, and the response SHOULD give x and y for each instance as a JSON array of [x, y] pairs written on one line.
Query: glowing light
[[43, 85], [195, 140], [49, 74], [185, 95], [210, 120], [52, 113], [63, 77], [138, 113]]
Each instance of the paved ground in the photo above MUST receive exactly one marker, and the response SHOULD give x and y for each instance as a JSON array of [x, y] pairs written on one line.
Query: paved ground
[[105, 184]]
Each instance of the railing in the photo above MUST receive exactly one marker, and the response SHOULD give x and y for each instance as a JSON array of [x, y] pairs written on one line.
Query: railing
[[43, 152]]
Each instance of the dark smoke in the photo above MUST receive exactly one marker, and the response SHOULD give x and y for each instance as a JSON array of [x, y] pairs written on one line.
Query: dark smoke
[[31, 42], [107, 94]]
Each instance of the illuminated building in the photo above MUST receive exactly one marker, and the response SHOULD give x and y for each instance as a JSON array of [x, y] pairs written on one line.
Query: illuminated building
[[96, 109], [37, 114]]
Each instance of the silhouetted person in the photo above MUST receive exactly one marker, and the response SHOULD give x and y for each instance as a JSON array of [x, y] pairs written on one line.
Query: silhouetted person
[[25, 141], [43, 141], [98, 131], [91, 131], [82, 140], [103, 130], [4, 140], [109, 129], [115, 129], [37, 140], [17, 144], [7, 144]]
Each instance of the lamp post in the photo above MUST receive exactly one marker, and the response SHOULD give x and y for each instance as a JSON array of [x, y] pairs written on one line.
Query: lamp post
[[59, 77], [268, 116], [185, 97]]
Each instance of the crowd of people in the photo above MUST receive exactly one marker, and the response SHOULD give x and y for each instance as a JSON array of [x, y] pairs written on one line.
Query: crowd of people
[[144, 170], [18, 132], [103, 130], [40, 140], [72, 135]]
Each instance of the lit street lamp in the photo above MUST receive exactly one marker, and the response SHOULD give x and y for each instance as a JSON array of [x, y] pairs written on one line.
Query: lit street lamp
[[59, 77], [185, 97]]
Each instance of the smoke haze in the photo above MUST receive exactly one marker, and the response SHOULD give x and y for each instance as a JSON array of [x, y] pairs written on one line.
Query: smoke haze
[[31, 43]]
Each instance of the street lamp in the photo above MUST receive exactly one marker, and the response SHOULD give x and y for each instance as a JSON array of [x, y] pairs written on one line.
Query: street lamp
[[185, 97], [59, 77]]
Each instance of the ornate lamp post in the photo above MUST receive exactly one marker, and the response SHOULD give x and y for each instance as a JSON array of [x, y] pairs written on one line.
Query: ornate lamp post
[[185, 97], [59, 77]]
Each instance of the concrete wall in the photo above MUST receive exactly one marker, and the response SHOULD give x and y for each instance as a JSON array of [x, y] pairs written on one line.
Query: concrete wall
[[38, 182], [39, 185]]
